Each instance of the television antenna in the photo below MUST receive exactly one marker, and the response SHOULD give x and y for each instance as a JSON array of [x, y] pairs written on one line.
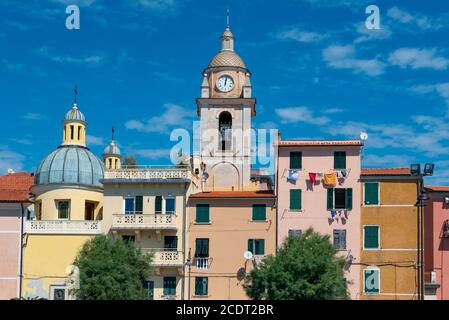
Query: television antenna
[[363, 138]]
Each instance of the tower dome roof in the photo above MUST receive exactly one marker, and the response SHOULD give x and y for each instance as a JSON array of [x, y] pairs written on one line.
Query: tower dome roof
[[74, 115], [71, 165], [227, 59], [112, 150]]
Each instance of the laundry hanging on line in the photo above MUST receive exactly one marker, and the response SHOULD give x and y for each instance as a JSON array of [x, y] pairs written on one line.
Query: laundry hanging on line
[[330, 179], [293, 175]]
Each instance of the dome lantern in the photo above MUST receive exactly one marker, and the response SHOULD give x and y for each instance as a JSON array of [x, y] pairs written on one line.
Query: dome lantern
[[74, 132], [112, 155]]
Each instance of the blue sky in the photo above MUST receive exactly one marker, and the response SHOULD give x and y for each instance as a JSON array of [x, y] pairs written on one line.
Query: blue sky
[[318, 73]]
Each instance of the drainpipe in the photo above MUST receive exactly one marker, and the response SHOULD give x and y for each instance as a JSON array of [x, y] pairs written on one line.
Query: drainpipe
[[21, 250]]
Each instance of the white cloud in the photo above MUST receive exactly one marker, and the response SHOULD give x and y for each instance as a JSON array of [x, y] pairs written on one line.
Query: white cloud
[[343, 57], [332, 110], [10, 160], [166, 6], [366, 34], [299, 35], [89, 60], [173, 116], [386, 160], [418, 59], [33, 116], [417, 19], [95, 141], [442, 89], [152, 154], [299, 114]]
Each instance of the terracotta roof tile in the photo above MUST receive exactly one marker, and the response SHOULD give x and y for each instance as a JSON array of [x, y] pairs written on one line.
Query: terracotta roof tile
[[438, 188], [234, 194], [314, 143], [385, 171], [15, 187]]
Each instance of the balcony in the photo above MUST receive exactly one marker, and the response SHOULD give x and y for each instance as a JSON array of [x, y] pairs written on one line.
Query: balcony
[[202, 263], [144, 221], [166, 257], [138, 173], [63, 227]]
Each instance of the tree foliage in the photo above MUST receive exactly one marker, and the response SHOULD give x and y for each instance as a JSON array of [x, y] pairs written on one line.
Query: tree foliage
[[305, 268], [112, 269], [130, 161]]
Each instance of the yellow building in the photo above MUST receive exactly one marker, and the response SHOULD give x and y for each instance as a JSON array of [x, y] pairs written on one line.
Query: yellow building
[[148, 206], [68, 211], [389, 230]]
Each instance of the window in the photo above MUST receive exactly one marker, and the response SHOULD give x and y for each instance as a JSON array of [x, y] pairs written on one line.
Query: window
[[169, 286], [139, 204], [202, 213], [259, 212], [202, 248], [79, 133], [294, 232], [63, 210], [58, 292], [339, 160], [171, 243], [371, 235], [89, 213], [340, 239], [72, 132], [371, 280], [295, 199], [201, 286], [371, 193], [295, 160], [256, 246], [170, 206], [225, 129], [149, 288], [158, 204], [339, 198], [129, 205]]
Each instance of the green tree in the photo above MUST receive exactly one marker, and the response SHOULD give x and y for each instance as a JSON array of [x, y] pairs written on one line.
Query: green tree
[[305, 268], [129, 161], [112, 269]]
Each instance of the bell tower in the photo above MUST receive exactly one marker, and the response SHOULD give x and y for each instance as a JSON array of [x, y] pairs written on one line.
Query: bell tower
[[226, 109]]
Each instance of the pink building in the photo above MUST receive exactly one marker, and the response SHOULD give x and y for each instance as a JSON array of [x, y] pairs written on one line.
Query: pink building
[[436, 243], [14, 189], [333, 208]]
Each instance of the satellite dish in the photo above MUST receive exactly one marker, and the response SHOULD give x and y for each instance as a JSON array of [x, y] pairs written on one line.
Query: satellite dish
[[363, 136], [248, 255]]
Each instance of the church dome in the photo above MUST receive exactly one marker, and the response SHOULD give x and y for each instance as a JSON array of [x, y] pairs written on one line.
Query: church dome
[[71, 165], [111, 150], [227, 59], [74, 115]]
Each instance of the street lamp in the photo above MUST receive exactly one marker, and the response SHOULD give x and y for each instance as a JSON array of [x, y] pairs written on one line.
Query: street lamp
[[415, 170]]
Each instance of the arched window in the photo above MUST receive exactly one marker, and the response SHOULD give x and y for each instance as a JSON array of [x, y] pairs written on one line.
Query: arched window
[[225, 129]]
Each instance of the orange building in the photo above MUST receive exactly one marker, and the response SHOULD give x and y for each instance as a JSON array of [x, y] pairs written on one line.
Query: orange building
[[389, 230]]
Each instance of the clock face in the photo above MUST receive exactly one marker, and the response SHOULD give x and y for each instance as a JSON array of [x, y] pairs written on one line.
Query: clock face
[[225, 83]]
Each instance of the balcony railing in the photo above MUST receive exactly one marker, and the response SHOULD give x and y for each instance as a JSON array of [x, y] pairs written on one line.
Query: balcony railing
[[144, 221], [145, 173], [62, 227], [166, 257], [202, 263]]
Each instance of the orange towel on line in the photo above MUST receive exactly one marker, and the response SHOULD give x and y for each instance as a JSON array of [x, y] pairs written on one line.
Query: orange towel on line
[[330, 179]]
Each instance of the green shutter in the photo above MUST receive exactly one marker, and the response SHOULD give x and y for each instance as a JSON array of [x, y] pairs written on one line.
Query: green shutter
[[169, 286], [251, 245], [295, 160], [371, 193], [295, 199], [339, 160], [259, 212], [201, 286], [371, 238], [330, 199], [202, 248], [260, 247], [349, 198], [158, 204], [202, 213], [139, 204]]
